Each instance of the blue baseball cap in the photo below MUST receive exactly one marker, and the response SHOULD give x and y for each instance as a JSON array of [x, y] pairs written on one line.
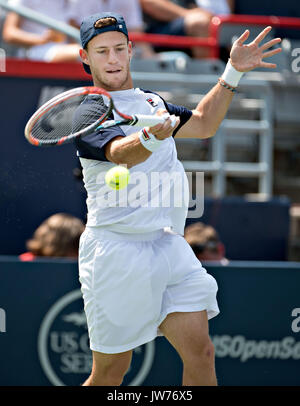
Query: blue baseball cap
[[91, 26]]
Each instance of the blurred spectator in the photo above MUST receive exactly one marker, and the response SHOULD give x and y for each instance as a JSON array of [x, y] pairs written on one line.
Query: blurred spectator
[[129, 9], [217, 7], [184, 18], [57, 236], [205, 242], [37, 42]]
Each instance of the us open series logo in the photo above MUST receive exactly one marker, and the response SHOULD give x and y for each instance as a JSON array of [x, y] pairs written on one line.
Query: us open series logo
[[63, 346]]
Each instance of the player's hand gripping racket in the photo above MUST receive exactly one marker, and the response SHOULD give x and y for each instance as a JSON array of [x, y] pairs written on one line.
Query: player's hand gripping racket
[[77, 113]]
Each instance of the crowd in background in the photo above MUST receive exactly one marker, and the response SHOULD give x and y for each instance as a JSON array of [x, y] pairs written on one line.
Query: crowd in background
[[173, 17], [58, 237]]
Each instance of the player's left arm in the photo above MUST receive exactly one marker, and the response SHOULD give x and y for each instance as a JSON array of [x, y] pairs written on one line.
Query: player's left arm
[[211, 110]]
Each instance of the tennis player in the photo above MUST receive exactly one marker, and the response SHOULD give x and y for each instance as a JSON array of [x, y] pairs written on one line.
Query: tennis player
[[139, 277]]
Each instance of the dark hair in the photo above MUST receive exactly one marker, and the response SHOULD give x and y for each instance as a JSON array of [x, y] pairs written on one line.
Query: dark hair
[[105, 22], [201, 237], [57, 236]]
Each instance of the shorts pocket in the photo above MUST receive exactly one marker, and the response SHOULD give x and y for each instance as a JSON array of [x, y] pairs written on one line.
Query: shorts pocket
[[122, 283]]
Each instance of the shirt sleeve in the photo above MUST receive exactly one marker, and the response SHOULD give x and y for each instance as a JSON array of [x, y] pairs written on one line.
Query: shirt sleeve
[[180, 111], [92, 146]]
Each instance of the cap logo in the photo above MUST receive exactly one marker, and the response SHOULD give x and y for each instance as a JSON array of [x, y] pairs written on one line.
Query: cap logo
[[105, 22]]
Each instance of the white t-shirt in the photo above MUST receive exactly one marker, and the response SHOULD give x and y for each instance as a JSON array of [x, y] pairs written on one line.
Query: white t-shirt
[[157, 195], [129, 9], [214, 6]]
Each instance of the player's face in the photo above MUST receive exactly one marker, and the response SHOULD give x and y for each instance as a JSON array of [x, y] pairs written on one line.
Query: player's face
[[108, 55]]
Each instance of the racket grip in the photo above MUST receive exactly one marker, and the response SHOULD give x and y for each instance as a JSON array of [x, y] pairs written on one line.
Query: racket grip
[[150, 121], [173, 120], [143, 120]]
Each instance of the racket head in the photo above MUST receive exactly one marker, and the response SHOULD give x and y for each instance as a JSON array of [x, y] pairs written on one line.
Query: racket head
[[53, 123]]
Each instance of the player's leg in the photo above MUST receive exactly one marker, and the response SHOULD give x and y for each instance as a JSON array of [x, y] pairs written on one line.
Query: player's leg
[[118, 300], [108, 369], [188, 334]]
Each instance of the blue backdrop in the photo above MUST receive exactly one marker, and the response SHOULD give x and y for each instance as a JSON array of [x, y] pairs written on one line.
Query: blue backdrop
[[43, 330]]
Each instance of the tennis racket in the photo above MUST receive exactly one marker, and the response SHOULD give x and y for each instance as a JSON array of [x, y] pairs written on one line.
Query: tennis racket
[[79, 112]]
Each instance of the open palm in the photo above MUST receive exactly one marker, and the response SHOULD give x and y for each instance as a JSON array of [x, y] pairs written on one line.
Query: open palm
[[245, 57]]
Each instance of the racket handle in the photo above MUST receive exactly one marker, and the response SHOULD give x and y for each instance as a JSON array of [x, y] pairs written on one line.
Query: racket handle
[[149, 121], [173, 120]]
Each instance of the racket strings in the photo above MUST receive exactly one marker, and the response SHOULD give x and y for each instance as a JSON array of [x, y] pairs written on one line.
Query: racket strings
[[69, 116], [90, 110]]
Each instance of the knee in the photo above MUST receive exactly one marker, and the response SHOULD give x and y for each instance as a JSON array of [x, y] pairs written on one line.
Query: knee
[[109, 374], [201, 353], [197, 23], [114, 374]]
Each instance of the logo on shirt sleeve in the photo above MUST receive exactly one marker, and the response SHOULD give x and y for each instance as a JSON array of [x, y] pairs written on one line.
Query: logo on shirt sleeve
[[152, 102]]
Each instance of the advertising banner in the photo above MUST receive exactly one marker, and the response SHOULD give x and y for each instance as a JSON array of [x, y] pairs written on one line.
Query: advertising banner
[[43, 328]]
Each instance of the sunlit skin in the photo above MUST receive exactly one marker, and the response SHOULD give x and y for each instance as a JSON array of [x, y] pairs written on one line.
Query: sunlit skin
[[108, 55]]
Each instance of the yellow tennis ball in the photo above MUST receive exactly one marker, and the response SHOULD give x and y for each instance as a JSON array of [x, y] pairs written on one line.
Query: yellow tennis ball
[[117, 177]]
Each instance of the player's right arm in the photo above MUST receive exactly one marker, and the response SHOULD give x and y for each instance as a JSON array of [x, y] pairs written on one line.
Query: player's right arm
[[130, 151], [112, 144]]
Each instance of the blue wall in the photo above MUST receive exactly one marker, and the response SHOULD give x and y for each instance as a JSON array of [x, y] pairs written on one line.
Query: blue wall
[[256, 335], [34, 182], [256, 231]]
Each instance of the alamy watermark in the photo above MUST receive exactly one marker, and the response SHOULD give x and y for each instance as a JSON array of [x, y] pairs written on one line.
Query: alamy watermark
[[2, 321], [296, 322], [174, 190], [296, 61], [2, 60]]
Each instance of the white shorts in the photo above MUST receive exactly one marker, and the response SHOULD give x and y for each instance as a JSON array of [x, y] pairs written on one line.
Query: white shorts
[[131, 282]]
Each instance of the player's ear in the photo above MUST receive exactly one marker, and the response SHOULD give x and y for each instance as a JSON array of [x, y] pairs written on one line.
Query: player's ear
[[84, 56]]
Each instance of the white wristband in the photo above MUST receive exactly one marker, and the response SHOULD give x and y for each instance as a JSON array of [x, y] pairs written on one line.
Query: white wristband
[[149, 141], [231, 76]]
